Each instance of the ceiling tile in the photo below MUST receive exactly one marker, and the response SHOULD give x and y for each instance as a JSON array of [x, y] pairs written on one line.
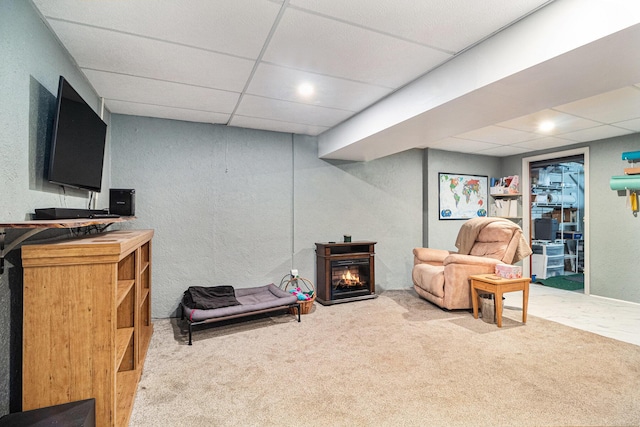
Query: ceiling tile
[[236, 27], [544, 143], [596, 133], [499, 135], [162, 58], [276, 126], [152, 58], [285, 111], [633, 125], [324, 46], [329, 91], [449, 25], [462, 145], [504, 151], [564, 122], [615, 106], [148, 91], [133, 109]]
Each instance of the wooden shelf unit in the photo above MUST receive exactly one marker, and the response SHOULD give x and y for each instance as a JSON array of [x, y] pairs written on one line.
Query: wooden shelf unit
[[508, 198], [87, 321]]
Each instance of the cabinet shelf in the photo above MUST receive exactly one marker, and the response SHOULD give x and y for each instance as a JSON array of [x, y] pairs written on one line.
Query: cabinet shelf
[[123, 342], [143, 296], [127, 385], [107, 305], [124, 286]]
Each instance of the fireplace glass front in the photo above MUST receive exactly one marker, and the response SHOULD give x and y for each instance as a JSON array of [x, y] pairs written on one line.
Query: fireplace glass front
[[350, 278]]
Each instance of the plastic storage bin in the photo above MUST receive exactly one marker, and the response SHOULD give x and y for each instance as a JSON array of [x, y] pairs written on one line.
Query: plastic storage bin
[[545, 266], [555, 261], [546, 228], [545, 248], [555, 271]]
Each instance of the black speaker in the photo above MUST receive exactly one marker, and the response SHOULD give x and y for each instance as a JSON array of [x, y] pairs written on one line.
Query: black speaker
[[122, 201]]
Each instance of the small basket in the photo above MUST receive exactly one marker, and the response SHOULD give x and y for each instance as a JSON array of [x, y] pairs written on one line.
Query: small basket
[[305, 306]]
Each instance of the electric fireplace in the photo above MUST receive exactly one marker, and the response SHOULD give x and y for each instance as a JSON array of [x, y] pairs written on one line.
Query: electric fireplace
[[345, 272]]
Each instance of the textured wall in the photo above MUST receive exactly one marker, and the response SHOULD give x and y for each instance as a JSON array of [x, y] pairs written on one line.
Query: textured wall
[[443, 233], [31, 61], [242, 207], [378, 200], [614, 232]]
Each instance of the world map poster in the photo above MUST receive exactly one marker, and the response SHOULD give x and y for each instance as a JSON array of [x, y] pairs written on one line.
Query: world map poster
[[462, 196]]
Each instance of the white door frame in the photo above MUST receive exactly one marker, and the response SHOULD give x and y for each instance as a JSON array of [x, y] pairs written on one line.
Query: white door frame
[[526, 203]]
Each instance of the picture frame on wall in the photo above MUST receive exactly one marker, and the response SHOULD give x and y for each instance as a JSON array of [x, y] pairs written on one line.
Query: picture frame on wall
[[462, 196]]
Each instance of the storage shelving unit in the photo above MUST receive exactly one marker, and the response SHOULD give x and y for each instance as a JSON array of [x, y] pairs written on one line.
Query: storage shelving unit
[[559, 196], [512, 206], [87, 321]]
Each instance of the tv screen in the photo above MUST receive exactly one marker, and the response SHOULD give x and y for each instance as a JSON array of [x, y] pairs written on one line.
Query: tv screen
[[78, 141]]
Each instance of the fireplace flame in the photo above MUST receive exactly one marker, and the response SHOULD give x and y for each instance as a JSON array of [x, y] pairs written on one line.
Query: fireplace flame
[[349, 279]]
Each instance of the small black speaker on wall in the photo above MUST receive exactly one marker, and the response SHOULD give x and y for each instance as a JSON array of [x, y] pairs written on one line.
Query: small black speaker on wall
[[122, 201]]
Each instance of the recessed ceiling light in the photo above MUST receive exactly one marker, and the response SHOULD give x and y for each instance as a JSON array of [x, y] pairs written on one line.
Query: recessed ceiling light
[[305, 89], [546, 126]]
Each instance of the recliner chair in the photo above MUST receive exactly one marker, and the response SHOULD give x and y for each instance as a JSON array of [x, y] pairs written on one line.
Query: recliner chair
[[442, 277]]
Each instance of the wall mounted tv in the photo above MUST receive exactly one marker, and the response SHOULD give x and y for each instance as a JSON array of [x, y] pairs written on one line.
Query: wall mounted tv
[[76, 154]]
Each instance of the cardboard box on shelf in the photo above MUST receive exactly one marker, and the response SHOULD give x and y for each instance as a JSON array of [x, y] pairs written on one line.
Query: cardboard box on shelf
[[563, 215]]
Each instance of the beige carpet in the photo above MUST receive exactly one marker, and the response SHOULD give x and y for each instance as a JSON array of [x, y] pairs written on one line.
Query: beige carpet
[[392, 361]]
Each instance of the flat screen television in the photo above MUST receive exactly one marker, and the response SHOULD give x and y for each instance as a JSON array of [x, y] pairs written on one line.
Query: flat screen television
[[76, 154]]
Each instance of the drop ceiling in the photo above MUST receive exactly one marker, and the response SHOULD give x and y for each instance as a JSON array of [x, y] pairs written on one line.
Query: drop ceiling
[[238, 63]]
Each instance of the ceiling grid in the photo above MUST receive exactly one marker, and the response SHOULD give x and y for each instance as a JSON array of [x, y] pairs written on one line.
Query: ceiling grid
[[239, 64]]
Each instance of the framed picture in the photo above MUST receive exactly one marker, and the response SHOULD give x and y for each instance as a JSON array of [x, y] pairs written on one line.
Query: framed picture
[[462, 196]]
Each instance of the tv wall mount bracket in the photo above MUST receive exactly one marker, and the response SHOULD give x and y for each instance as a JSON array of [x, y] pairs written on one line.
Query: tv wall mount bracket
[[35, 227], [4, 250]]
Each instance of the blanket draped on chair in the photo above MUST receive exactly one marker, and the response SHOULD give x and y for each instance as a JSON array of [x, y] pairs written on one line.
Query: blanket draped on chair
[[470, 230]]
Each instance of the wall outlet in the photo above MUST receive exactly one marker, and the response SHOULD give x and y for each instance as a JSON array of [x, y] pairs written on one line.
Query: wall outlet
[[294, 273]]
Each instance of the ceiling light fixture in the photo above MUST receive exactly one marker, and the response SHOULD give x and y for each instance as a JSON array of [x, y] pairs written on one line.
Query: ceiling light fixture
[[546, 126], [305, 89]]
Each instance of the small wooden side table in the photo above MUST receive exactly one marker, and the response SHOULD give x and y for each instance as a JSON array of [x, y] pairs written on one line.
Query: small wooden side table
[[497, 286]]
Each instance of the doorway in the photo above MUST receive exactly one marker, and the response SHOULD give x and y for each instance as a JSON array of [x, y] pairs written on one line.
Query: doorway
[[556, 219]]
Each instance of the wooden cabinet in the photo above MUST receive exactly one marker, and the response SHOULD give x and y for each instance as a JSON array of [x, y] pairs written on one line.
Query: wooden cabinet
[[87, 321]]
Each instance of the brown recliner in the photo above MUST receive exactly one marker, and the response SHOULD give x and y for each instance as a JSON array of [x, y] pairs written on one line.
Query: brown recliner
[[442, 277]]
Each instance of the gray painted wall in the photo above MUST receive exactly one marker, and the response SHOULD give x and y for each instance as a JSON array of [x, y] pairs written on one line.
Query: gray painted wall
[[614, 231], [242, 207], [31, 62]]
